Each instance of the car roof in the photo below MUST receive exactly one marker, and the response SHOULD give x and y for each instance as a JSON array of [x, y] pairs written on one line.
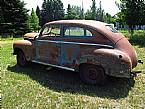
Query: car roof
[[89, 23], [96, 25]]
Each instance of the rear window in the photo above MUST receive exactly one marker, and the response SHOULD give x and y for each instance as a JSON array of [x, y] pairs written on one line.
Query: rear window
[[111, 28]]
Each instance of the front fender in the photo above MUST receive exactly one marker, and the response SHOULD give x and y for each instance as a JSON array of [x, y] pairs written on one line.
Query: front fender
[[25, 46]]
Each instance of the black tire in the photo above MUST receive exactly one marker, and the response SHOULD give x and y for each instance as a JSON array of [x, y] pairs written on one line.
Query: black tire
[[21, 59], [92, 74]]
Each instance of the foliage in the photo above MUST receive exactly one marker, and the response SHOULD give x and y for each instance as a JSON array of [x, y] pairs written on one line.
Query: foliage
[[34, 87], [13, 17], [33, 21], [108, 18], [51, 10], [88, 15], [132, 12], [79, 11], [120, 18], [38, 13], [93, 10], [138, 39], [100, 13], [70, 13], [74, 12]]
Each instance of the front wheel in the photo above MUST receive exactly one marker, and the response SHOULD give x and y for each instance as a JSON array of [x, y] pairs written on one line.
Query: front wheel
[[21, 59], [92, 74]]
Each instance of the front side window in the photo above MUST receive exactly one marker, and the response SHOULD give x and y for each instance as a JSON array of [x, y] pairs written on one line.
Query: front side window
[[51, 31], [76, 32]]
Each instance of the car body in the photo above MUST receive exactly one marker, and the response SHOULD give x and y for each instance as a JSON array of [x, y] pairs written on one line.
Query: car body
[[93, 48]]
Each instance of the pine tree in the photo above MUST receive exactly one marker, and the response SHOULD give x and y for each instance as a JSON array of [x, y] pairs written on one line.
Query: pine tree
[[71, 13], [51, 10], [93, 10], [88, 15], [38, 13], [33, 21], [14, 18], [74, 12], [100, 13], [1, 16]]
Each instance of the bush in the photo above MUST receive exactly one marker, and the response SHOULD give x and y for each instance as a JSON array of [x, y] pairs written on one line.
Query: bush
[[138, 38]]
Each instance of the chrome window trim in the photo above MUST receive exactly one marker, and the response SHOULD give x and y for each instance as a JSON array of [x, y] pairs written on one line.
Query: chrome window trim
[[78, 43]]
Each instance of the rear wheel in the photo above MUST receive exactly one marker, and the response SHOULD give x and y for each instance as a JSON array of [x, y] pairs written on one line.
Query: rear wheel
[[92, 74], [21, 59]]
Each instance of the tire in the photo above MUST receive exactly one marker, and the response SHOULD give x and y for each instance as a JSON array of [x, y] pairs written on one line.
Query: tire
[[21, 59], [92, 74]]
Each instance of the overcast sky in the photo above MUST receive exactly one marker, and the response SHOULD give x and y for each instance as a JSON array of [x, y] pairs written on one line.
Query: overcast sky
[[108, 5]]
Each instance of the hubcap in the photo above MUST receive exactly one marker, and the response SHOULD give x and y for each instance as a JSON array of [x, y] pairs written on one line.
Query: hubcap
[[92, 73]]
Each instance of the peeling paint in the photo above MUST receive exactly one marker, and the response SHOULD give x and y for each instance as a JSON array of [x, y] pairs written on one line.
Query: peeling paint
[[110, 50]]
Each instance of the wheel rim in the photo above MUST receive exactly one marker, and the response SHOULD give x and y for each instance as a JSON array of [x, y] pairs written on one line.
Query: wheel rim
[[95, 73], [92, 73]]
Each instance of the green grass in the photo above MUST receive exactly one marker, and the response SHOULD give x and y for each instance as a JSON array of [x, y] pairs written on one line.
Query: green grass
[[138, 38], [34, 87]]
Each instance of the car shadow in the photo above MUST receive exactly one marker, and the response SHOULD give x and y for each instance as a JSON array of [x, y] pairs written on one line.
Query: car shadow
[[62, 80]]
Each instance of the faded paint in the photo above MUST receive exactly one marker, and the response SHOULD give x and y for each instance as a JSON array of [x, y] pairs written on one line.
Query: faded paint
[[110, 50], [26, 46]]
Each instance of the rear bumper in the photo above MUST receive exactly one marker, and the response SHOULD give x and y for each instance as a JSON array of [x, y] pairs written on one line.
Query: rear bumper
[[126, 73]]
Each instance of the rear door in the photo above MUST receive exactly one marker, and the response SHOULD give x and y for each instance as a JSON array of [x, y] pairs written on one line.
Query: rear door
[[73, 44]]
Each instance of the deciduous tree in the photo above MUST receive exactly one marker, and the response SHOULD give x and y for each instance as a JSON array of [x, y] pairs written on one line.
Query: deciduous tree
[[133, 12]]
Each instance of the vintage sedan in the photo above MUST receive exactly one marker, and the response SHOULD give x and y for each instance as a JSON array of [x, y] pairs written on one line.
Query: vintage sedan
[[92, 48]]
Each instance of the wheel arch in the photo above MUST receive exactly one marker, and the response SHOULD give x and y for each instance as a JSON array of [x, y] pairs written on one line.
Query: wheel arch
[[16, 50], [88, 77], [84, 64]]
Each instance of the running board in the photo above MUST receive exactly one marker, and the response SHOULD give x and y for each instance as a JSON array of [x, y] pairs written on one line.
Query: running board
[[66, 68]]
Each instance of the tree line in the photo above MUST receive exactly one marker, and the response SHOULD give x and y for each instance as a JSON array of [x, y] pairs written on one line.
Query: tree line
[[132, 13], [14, 18]]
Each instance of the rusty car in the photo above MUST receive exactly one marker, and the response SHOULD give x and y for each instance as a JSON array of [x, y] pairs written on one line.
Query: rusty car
[[94, 49]]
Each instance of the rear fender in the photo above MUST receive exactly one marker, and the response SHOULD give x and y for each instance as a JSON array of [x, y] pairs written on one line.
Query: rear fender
[[115, 62]]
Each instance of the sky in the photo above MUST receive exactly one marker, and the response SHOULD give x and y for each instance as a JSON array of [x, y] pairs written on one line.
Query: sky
[[108, 5]]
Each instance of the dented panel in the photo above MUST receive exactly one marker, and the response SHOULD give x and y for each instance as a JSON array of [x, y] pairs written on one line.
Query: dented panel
[[110, 50], [48, 51]]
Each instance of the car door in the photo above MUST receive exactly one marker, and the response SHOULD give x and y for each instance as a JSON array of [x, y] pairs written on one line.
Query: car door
[[48, 45], [73, 44]]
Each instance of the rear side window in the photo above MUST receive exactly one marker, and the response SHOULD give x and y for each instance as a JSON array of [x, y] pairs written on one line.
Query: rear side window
[[111, 28], [76, 32]]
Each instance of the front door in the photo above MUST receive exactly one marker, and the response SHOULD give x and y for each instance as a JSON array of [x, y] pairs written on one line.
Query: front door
[[48, 45]]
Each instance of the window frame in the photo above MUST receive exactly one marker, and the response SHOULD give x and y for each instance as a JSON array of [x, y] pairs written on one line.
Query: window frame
[[73, 36], [51, 25]]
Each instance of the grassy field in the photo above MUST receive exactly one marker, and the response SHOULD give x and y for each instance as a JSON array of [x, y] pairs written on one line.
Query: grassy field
[[35, 87]]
